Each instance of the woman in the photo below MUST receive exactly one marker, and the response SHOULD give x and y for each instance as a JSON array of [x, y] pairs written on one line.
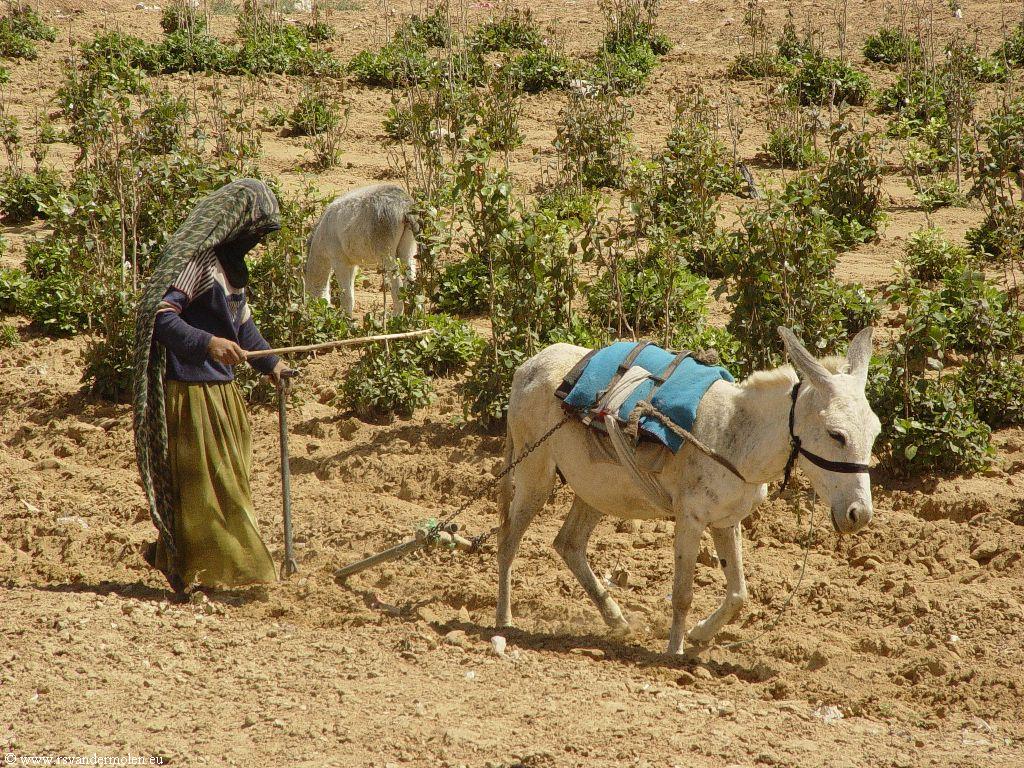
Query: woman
[[192, 436]]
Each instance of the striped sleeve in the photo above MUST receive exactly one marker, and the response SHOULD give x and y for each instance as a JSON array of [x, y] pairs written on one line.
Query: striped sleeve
[[198, 275]]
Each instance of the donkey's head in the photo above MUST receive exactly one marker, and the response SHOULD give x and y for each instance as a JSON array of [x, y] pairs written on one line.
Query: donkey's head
[[835, 429]]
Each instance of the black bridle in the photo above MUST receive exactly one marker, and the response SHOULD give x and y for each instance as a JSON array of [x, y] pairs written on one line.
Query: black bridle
[[796, 449]]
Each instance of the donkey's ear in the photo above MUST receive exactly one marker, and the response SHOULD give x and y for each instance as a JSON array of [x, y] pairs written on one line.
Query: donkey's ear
[[804, 362], [859, 354]]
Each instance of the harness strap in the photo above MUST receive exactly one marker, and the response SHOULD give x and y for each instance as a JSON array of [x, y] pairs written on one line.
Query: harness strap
[[644, 408], [627, 363], [797, 449]]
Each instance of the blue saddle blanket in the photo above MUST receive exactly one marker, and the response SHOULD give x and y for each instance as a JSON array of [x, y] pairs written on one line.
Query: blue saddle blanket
[[678, 397]]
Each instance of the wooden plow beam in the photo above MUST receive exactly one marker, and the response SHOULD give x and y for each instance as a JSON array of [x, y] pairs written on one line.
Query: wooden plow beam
[[427, 535]]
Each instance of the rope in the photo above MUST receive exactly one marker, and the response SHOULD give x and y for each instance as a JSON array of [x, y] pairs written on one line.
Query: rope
[[479, 540], [785, 606], [645, 408]]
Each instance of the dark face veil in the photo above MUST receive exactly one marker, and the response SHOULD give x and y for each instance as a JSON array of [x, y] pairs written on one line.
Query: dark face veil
[[228, 223]]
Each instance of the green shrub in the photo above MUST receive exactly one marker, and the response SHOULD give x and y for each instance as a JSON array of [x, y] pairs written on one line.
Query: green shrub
[[498, 116], [928, 424], [706, 340], [13, 284], [754, 66], [464, 287], [514, 30], [182, 16], [385, 382], [592, 140], [792, 147], [163, 124], [935, 192], [821, 80], [631, 23], [110, 355], [317, 31], [195, 50], [451, 348], [392, 66], [1001, 234], [27, 195], [929, 256], [790, 47], [568, 204], [626, 69], [654, 292], [995, 387], [313, 114], [431, 30], [486, 389], [20, 30], [779, 272], [890, 45], [539, 70], [282, 49], [9, 336], [1012, 49]]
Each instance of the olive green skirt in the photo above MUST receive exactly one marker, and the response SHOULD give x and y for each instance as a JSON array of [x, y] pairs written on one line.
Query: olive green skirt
[[210, 454]]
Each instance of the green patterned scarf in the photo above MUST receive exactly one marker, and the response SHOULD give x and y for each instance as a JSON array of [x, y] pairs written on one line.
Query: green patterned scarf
[[242, 208]]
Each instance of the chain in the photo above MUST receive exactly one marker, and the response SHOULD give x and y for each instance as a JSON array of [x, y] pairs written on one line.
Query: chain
[[479, 540]]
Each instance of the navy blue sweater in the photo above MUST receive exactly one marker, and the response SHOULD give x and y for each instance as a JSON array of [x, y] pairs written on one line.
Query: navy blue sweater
[[185, 328]]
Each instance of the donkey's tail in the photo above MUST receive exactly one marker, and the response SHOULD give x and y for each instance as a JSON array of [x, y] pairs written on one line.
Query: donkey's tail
[[505, 487]]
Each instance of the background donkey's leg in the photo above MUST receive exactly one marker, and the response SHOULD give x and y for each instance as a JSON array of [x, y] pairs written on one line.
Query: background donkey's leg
[[729, 546], [571, 544], [346, 276], [687, 545], [532, 481]]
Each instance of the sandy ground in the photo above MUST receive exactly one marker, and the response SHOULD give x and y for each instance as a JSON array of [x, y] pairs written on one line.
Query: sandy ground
[[902, 648]]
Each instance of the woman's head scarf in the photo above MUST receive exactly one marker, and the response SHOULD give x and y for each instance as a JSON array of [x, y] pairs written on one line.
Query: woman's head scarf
[[238, 214]]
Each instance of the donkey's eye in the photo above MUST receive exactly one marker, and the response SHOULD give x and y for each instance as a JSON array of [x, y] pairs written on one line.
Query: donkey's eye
[[839, 437]]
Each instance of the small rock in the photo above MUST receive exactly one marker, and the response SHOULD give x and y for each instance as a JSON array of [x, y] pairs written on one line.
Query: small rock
[[817, 661], [620, 577], [828, 713], [685, 678], [464, 616], [628, 526], [456, 637], [73, 520], [48, 464], [498, 645], [426, 613], [591, 653], [702, 673], [348, 427], [249, 721]]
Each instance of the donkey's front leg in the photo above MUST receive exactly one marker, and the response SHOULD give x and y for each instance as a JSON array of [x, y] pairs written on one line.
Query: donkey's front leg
[[687, 545], [729, 546]]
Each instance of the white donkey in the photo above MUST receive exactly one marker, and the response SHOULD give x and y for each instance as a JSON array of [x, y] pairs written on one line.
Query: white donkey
[[370, 226], [747, 423]]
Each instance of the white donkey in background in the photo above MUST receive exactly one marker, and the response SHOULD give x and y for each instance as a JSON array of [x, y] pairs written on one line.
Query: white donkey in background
[[370, 226], [747, 423]]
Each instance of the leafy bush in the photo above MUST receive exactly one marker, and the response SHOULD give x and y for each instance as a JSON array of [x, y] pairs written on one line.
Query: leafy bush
[[392, 66], [514, 30], [649, 292], [498, 116], [431, 30], [935, 192], [282, 49], [486, 389], [464, 287], [631, 23], [451, 348], [26, 195], [1012, 49], [592, 140], [790, 47], [54, 297], [821, 80], [850, 189], [110, 356], [791, 147], [313, 114], [780, 273], [1001, 234], [182, 15], [930, 257], [9, 336], [707, 340], [191, 50], [679, 189], [163, 123], [890, 45], [928, 424], [13, 283], [754, 66], [385, 382], [568, 204], [317, 31], [539, 70], [994, 386], [626, 69], [20, 30]]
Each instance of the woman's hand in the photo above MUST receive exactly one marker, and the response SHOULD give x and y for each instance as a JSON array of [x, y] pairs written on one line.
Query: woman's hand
[[225, 351], [280, 375]]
